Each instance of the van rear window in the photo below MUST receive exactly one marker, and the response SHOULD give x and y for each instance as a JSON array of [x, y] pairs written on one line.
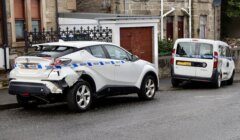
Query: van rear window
[[194, 50]]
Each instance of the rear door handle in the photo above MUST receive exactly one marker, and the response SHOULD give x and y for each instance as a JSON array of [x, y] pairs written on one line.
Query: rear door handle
[[117, 65]]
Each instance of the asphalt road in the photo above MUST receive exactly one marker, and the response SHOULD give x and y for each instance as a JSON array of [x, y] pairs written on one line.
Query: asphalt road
[[197, 113]]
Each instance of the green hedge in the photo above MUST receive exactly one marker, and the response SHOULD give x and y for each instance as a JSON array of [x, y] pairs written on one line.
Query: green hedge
[[165, 47]]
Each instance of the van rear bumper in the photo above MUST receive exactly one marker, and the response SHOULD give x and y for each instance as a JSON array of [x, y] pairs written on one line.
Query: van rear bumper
[[189, 78], [194, 78]]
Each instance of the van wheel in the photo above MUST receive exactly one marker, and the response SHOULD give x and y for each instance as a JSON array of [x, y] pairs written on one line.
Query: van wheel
[[175, 82], [218, 81], [148, 88], [25, 102], [79, 97], [230, 81]]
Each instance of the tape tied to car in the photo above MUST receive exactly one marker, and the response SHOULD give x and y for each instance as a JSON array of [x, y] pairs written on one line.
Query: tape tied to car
[[73, 65]]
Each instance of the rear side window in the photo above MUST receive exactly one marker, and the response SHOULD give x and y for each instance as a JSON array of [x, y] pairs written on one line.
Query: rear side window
[[97, 51], [194, 50]]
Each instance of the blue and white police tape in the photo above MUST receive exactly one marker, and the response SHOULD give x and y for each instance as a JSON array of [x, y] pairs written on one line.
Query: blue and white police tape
[[73, 65]]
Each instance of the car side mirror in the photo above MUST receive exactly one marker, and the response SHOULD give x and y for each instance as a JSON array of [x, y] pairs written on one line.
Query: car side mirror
[[134, 57]]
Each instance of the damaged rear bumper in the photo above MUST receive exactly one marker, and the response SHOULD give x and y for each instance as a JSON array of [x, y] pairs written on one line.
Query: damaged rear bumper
[[34, 87]]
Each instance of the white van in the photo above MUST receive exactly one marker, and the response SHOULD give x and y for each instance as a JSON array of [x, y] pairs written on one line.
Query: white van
[[202, 60]]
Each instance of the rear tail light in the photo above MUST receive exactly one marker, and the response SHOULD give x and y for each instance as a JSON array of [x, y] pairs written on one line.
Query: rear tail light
[[61, 62], [172, 58], [215, 64]]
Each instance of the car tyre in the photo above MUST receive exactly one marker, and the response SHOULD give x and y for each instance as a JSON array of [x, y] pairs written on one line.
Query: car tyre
[[25, 102], [218, 81], [148, 88], [230, 81], [175, 82], [79, 97]]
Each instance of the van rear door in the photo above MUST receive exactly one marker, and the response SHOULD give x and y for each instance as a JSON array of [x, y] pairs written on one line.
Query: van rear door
[[204, 60], [184, 59]]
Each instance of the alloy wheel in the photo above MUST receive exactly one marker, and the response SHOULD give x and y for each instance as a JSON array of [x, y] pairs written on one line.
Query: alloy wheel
[[83, 96], [150, 88]]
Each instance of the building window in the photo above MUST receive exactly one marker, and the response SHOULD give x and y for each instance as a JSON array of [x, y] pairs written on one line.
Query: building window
[[36, 16], [170, 28], [203, 28], [180, 27], [19, 19]]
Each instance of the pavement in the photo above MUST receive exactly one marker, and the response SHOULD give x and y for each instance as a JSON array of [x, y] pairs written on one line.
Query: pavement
[[196, 113], [9, 101]]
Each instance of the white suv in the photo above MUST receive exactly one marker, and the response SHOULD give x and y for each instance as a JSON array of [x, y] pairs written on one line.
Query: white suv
[[80, 72], [202, 60]]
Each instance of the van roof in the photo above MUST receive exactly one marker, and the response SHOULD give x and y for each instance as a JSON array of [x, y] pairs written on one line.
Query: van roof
[[201, 40]]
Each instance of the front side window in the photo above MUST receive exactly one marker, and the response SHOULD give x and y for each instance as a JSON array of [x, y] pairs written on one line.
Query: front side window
[[229, 54], [97, 51], [195, 50], [116, 53]]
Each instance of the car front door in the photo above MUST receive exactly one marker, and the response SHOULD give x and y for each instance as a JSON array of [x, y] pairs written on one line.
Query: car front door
[[126, 71]]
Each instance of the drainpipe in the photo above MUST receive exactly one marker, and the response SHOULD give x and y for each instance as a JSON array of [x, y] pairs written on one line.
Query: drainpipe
[[190, 18], [57, 15], [5, 34]]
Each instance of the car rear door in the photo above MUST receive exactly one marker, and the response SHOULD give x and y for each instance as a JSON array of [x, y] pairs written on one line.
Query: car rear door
[[184, 59]]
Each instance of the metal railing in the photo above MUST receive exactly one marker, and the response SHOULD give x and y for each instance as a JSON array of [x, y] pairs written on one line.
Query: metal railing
[[74, 34]]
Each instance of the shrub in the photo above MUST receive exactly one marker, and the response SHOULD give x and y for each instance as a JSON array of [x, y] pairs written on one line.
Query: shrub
[[165, 47]]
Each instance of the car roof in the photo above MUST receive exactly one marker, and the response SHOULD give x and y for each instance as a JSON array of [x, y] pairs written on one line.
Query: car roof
[[76, 44], [201, 40]]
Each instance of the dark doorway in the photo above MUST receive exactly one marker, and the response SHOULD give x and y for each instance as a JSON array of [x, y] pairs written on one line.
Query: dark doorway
[[180, 27], [170, 28]]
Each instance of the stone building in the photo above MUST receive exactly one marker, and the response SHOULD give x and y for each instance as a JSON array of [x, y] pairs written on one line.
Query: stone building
[[25, 15], [206, 14]]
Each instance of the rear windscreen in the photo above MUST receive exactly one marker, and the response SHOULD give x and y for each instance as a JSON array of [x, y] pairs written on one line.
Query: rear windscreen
[[194, 50], [51, 51]]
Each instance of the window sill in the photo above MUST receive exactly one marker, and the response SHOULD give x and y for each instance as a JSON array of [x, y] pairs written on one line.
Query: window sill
[[18, 44]]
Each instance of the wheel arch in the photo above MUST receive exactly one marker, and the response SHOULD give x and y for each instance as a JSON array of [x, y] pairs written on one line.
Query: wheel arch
[[151, 73], [90, 80]]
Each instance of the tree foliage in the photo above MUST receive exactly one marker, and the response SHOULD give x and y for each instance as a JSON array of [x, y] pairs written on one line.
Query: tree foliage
[[232, 8]]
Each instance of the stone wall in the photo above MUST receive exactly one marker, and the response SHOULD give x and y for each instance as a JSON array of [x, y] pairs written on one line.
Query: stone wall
[[67, 5], [199, 7], [164, 66], [94, 6]]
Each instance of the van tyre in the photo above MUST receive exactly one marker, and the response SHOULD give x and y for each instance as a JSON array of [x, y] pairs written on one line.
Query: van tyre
[[79, 97], [218, 81], [148, 88], [230, 81], [25, 102], [175, 82]]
